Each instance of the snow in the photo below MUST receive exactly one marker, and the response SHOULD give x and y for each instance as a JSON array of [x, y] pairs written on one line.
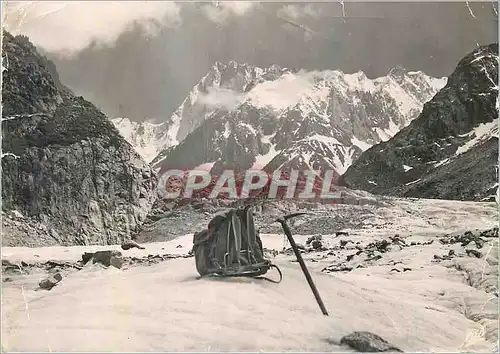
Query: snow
[[227, 130], [407, 168], [309, 89], [262, 160], [163, 307], [361, 144], [442, 162], [412, 182], [287, 91], [324, 139], [371, 182], [154, 138], [481, 133]]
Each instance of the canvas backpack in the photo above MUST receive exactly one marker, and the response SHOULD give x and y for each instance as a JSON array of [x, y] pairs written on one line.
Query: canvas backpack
[[231, 246]]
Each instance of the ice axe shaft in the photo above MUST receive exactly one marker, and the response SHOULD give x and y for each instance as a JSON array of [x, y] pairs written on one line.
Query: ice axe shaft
[[288, 233]]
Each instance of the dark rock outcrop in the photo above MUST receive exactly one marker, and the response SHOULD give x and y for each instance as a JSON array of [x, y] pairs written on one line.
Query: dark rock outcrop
[[64, 165], [50, 282], [106, 258], [368, 342], [451, 150]]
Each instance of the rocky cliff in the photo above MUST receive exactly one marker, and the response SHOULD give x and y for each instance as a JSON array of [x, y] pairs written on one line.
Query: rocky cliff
[[451, 150], [68, 177]]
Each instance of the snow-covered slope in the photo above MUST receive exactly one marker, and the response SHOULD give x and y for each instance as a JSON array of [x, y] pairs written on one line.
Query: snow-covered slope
[[147, 138], [257, 116], [406, 294]]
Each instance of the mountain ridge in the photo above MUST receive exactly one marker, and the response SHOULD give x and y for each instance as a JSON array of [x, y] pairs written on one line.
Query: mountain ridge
[[243, 90], [457, 128]]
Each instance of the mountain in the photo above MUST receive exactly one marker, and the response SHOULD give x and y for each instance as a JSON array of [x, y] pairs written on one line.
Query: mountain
[[451, 150], [242, 116], [68, 176], [224, 81], [147, 138]]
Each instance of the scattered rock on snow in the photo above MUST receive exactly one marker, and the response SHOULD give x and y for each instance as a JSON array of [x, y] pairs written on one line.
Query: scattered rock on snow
[[466, 238], [368, 342], [337, 268], [490, 233], [131, 244], [344, 243], [105, 258], [474, 253], [50, 282]]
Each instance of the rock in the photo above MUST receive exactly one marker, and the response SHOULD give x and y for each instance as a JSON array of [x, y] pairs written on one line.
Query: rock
[[131, 244], [50, 282], [397, 240], [351, 256], [394, 248], [316, 244], [380, 246], [490, 233], [105, 258], [474, 253], [341, 233], [337, 268], [368, 342], [178, 246], [343, 243], [374, 258], [313, 238], [116, 261], [73, 151]]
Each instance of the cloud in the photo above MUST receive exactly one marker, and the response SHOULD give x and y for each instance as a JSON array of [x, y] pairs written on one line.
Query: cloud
[[220, 12], [222, 98], [296, 12], [72, 25], [282, 93]]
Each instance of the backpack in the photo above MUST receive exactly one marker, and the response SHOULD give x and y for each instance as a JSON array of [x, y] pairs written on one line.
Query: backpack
[[231, 246]]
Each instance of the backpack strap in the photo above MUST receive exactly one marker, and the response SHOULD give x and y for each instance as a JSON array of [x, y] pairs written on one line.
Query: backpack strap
[[236, 228], [271, 280], [259, 277]]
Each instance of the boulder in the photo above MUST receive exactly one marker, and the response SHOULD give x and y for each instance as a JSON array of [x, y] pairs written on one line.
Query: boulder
[[50, 282], [131, 244], [368, 342], [105, 258]]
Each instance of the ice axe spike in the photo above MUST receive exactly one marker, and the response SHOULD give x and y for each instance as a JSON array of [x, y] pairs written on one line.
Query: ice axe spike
[[283, 221]]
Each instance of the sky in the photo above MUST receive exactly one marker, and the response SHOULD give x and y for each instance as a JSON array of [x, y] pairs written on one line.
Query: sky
[[139, 59]]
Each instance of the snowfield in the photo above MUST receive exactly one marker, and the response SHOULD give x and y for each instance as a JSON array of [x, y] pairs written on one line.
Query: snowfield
[[406, 295]]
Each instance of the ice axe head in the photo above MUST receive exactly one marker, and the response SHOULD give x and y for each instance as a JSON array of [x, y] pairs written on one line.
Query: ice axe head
[[283, 219]]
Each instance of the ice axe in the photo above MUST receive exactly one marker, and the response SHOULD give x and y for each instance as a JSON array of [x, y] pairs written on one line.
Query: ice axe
[[283, 221]]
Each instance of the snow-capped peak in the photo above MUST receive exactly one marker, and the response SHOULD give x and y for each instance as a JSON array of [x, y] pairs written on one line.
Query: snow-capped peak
[[336, 102]]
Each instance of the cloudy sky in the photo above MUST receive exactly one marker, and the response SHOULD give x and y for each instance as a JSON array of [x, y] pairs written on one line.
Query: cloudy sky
[[140, 59]]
